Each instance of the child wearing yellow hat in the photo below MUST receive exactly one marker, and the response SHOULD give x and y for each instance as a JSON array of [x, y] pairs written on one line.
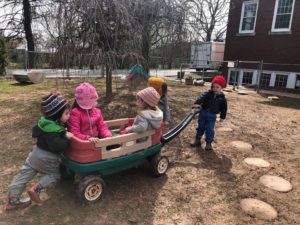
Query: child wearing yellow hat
[[161, 87]]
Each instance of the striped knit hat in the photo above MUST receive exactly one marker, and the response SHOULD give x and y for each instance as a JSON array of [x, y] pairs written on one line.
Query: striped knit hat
[[53, 106], [150, 96]]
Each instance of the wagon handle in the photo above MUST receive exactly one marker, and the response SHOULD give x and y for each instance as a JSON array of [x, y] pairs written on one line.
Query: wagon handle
[[176, 130]]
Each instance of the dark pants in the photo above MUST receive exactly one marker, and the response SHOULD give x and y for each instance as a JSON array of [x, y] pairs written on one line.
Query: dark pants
[[206, 123]]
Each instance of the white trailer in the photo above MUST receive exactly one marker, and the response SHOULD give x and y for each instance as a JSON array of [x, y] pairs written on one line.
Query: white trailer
[[207, 55]]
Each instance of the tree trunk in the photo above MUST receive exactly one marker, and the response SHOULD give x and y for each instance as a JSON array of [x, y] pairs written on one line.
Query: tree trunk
[[28, 32], [108, 83], [145, 51]]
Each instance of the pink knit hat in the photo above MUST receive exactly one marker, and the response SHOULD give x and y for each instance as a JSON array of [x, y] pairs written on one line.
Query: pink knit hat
[[150, 96], [86, 95]]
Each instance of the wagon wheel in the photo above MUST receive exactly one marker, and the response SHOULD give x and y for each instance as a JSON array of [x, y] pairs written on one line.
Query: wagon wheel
[[90, 188], [159, 165]]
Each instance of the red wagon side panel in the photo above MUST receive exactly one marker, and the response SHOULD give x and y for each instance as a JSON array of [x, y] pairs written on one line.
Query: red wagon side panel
[[158, 134], [83, 151]]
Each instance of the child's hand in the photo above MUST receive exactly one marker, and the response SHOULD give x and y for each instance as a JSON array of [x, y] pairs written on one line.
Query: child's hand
[[166, 123], [69, 135], [122, 132], [127, 129], [94, 140], [196, 106]]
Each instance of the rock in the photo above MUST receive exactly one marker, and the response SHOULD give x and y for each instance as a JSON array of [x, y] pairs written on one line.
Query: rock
[[242, 92], [199, 82], [273, 98], [224, 129], [276, 183], [241, 145], [258, 208], [227, 90], [257, 162]]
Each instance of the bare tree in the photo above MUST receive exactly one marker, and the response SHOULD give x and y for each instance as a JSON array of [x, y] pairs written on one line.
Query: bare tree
[[17, 21], [207, 18]]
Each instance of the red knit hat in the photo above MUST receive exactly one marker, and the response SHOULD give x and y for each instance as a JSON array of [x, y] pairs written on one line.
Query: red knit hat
[[150, 96], [219, 80]]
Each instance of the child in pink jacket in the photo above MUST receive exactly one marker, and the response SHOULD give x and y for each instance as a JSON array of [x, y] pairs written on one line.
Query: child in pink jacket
[[86, 121]]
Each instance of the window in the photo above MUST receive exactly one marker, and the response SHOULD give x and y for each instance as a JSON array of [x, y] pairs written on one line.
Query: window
[[233, 79], [281, 80], [265, 80], [247, 77], [282, 18], [248, 17]]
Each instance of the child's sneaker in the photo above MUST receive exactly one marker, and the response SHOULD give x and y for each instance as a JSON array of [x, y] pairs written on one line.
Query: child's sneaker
[[17, 203], [208, 147], [34, 193]]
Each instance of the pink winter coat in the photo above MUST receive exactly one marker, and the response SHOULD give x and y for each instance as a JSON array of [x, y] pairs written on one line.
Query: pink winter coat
[[88, 123]]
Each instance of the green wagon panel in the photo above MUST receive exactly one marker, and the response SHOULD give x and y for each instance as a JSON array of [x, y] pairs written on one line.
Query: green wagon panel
[[115, 165]]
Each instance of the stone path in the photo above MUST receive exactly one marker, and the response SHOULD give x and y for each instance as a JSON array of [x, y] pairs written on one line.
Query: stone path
[[256, 207]]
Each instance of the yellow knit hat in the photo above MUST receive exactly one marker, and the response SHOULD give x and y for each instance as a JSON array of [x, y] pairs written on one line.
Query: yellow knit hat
[[156, 83]]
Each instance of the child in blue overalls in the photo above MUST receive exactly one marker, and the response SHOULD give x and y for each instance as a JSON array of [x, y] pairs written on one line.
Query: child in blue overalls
[[211, 103]]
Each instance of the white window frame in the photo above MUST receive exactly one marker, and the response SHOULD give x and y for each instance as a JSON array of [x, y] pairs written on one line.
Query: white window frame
[[274, 19], [242, 17]]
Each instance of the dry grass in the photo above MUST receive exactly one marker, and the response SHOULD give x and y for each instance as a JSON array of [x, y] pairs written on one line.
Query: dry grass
[[200, 187]]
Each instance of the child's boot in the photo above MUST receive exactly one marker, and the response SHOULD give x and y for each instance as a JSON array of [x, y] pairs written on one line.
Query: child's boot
[[17, 203], [197, 142], [208, 147], [34, 192]]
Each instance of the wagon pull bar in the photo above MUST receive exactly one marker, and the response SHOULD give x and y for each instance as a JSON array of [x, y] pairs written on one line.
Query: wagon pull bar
[[176, 130]]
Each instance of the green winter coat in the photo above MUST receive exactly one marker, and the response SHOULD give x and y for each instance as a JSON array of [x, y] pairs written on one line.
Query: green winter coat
[[50, 136]]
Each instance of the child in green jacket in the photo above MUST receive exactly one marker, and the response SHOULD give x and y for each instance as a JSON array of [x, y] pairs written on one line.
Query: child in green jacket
[[52, 140]]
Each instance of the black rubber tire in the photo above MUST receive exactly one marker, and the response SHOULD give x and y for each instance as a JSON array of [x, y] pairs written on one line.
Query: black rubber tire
[[90, 189], [159, 165]]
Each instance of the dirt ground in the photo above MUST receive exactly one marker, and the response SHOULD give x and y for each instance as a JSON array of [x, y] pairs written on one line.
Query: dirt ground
[[199, 188]]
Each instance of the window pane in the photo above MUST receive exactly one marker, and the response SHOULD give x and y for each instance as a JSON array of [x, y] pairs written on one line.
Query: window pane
[[282, 21], [247, 78], [265, 80], [233, 79], [281, 80], [284, 6], [250, 10], [248, 24]]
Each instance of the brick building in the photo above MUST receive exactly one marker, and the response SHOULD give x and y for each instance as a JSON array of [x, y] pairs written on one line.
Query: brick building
[[264, 35]]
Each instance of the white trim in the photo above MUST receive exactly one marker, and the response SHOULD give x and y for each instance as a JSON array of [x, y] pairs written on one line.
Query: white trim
[[241, 75], [242, 17], [291, 82], [272, 79], [254, 77], [274, 18]]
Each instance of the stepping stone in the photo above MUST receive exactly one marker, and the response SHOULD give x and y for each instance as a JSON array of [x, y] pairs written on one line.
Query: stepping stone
[[257, 162], [273, 98], [227, 90], [242, 92], [241, 145], [258, 208], [276, 183], [224, 129]]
